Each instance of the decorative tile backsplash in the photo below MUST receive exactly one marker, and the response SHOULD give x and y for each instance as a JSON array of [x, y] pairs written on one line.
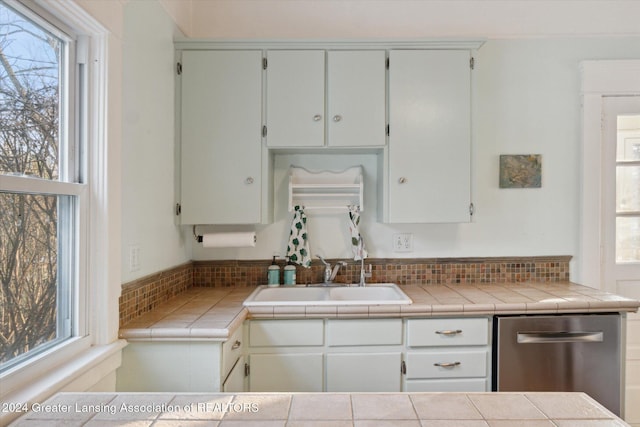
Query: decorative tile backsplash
[[142, 295]]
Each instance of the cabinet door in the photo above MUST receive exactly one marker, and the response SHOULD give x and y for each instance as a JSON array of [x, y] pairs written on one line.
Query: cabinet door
[[363, 372], [286, 372], [295, 98], [356, 98], [221, 145], [430, 136], [234, 383]]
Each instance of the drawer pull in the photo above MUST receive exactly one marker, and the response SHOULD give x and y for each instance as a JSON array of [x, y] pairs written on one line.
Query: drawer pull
[[450, 332], [236, 345], [447, 364]]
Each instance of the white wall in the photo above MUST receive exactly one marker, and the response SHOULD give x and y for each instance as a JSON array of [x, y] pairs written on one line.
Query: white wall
[[148, 171], [411, 18], [526, 100]]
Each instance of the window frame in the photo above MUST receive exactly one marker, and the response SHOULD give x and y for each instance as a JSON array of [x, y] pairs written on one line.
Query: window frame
[[87, 105]]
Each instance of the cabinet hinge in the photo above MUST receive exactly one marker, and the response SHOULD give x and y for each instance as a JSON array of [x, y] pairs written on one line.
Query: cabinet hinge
[[471, 209], [264, 131], [387, 130], [264, 63], [179, 68], [387, 63], [247, 369], [403, 368], [178, 209], [472, 62]]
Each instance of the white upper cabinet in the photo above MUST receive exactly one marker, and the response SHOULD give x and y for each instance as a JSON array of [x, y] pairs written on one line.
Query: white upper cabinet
[[221, 137], [429, 175], [349, 111], [295, 114], [356, 98]]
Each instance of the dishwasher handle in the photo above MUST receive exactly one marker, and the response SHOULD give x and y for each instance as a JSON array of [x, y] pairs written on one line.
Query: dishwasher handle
[[558, 337]]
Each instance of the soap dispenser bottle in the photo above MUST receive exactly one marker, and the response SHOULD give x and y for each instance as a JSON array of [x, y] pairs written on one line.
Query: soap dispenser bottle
[[289, 273], [273, 273]]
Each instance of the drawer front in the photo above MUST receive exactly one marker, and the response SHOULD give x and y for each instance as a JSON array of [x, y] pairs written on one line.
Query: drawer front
[[447, 364], [282, 333], [455, 385], [364, 332], [447, 332], [231, 351]]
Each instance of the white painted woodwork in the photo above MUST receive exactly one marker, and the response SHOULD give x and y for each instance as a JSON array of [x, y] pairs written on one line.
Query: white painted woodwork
[[280, 333], [353, 332], [455, 385], [163, 366], [632, 370], [356, 98], [221, 145], [295, 109], [430, 136], [232, 350], [364, 372], [286, 372], [465, 364], [444, 332], [234, 383]]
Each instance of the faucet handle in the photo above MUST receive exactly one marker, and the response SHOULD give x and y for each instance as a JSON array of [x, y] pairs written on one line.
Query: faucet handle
[[322, 259]]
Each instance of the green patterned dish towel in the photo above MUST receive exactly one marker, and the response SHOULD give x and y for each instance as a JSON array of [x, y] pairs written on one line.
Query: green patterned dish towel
[[357, 244], [298, 247]]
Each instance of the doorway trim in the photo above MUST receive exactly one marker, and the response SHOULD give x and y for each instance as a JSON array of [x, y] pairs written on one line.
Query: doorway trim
[[598, 80]]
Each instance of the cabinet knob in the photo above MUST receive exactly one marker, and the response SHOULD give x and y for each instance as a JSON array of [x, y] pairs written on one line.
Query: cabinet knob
[[337, 118], [402, 180], [317, 117], [249, 180]]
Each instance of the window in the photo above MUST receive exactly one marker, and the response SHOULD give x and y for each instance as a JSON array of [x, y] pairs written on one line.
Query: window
[[41, 191], [628, 189]]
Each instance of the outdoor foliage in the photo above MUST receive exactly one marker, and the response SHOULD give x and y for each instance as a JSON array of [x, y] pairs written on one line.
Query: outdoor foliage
[[29, 144]]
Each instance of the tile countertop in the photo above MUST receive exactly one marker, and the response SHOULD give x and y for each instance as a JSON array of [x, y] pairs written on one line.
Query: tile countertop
[[213, 314], [322, 409]]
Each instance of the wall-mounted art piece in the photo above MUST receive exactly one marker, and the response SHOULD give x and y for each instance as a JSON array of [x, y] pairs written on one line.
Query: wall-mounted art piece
[[520, 171]]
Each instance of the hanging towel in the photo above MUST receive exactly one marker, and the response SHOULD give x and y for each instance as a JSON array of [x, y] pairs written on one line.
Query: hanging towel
[[357, 244], [298, 247]]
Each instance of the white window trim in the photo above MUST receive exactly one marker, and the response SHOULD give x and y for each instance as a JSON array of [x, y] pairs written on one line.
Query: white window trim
[[599, 79], [70, 363]]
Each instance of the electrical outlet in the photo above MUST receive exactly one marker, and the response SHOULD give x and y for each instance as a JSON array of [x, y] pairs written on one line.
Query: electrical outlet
[[134, 257], [403, 242]]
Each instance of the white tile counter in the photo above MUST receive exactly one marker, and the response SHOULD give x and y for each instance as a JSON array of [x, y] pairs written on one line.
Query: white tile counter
[[321, 409], [215, 313]]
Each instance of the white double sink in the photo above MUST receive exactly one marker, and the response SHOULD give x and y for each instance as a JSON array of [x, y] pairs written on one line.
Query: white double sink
[[372, 294]]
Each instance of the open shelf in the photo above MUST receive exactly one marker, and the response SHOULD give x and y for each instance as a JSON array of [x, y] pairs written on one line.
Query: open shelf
[[328, 190]]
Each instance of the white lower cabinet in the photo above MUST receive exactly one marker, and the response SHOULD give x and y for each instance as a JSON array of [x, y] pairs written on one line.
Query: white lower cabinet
[[234, 382], [286, 355], [170, 366], [369, 355], [364, 372], [286, 372], [448, 354]]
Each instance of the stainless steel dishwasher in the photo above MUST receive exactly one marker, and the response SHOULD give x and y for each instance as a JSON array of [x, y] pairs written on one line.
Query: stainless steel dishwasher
[[581, 352]]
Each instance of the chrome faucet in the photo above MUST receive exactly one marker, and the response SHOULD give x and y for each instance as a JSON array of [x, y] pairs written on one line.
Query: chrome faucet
[[330, 274]]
